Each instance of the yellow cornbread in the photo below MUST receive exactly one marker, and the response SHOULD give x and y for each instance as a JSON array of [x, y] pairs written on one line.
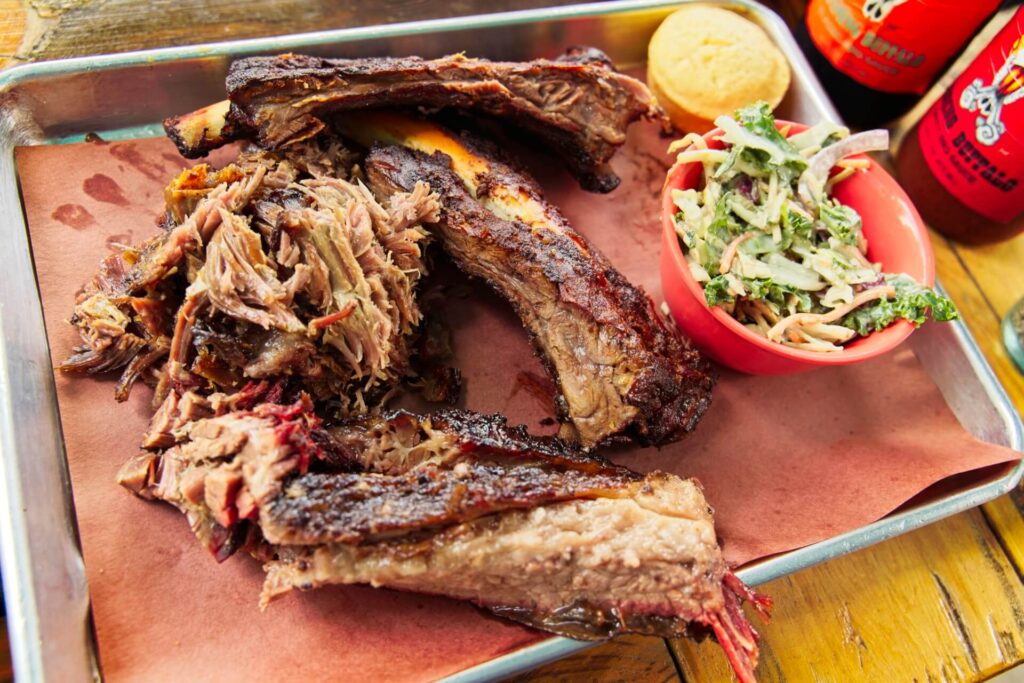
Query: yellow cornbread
[[706, 61]]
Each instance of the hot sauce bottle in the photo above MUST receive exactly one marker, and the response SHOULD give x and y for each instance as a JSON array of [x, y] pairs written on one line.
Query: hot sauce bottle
[[963, 163], [877, 57]]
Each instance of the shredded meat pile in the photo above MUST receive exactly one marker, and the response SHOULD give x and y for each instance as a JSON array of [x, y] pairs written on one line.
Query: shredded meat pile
[[275, 266]]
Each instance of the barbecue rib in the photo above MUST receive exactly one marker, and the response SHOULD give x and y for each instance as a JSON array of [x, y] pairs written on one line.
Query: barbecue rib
[[455, 504], [620, 369], [578, 104]]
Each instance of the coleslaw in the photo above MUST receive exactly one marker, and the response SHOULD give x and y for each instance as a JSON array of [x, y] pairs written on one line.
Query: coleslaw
[[770, 245]]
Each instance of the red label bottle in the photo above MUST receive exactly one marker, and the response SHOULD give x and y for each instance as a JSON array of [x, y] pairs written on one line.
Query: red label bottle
[[963, 163], [877, 57]]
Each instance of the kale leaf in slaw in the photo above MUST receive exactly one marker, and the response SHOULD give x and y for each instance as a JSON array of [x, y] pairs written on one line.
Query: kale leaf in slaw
[[772, 248]]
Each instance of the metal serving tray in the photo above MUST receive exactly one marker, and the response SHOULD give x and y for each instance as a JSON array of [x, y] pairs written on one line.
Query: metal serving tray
[[126, 95]]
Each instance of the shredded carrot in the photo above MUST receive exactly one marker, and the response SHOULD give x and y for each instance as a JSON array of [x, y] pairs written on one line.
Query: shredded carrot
[[839, 177], [799, 319], [849, 167], [854, 163], [730, 252], [692, 139], [765, 311]]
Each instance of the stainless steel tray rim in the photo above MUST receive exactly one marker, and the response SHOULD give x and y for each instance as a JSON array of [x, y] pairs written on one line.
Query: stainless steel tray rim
[[248, 46], [27, 643]]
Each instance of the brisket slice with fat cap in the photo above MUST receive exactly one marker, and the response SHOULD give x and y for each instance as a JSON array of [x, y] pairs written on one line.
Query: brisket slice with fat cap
[[578, 104], [645, 561], [473, 509], [621, 370], [357, 507], [430, 472]]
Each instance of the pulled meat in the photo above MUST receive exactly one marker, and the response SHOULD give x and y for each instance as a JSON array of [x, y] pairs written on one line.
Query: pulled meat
[[124, 314], [274, 266]]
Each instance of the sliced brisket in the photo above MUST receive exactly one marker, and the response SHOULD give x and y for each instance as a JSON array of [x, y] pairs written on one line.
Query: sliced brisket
[[458, 504]]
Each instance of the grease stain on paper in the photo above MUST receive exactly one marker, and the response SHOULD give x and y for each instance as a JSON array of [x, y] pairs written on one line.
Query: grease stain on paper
[[74, 216], [119, 241], [127, 152], [103, 188], [541, 389]]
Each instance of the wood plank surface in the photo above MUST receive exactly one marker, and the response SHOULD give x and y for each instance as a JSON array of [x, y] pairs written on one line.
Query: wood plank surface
[[636, 659], [12, 29], [941, 603], [71, 28], [997, 273]]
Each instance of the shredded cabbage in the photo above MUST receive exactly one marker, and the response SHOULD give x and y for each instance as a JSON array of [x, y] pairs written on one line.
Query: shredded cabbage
[[765, 253]]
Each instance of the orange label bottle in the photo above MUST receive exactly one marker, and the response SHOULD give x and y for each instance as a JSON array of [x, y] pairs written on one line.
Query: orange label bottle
[[875, 57]]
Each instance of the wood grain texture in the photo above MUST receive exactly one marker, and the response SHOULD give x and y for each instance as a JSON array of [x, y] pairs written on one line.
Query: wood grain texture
[[942, 603], [1004, 516], [12, 29], [984, 288], [998, 270], [632, 659], [70, 28]]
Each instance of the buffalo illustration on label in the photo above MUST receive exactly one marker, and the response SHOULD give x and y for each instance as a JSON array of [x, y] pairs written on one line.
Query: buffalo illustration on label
[[876, 10], [989, 100]]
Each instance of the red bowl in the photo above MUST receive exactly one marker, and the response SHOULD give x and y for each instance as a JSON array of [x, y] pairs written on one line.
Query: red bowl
[[896, 238]]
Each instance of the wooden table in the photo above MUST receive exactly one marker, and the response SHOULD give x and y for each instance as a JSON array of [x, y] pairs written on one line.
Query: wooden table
[[942, 603]]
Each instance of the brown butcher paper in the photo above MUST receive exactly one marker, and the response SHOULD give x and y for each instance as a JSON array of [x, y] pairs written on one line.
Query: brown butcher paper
[[785, 461]]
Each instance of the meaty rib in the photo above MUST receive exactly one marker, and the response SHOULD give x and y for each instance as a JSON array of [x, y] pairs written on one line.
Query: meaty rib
[[456, 504], [578, 104], [620, 369]]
